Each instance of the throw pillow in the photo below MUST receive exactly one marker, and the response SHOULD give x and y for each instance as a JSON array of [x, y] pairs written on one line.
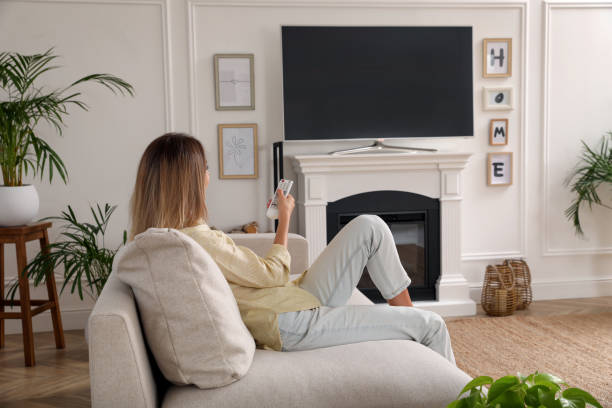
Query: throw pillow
[[189, 315]]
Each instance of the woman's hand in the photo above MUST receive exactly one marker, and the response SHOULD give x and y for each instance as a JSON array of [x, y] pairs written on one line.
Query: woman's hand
[[285, 205], [285, 208]]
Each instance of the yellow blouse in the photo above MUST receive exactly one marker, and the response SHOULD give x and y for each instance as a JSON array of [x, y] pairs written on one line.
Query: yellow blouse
[[261, 286]]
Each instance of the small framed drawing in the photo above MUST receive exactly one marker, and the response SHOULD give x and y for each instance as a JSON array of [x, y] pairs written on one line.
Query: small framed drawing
[[497, 98], [497, 57], [498, 132], [499, 169], [234, 82], [238, 151]]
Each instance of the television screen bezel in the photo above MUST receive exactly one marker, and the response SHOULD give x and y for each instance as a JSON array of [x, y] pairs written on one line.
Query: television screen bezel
[[285, 140]]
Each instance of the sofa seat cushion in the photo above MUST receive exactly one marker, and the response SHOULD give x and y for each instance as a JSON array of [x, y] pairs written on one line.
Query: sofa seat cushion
[[189, 315], [389, 373]]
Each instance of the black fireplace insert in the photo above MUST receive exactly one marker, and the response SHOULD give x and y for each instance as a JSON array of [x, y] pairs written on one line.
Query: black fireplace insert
[[414, 221]]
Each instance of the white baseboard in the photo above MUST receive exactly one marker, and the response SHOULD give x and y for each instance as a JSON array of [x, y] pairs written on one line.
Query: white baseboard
[[76, 319], [448, 308], [560, 289], [71, 320]]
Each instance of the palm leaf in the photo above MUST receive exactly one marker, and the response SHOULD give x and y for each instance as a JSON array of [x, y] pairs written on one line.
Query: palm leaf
[[79, 253], [115, 84], [594, 170], [29, 104]]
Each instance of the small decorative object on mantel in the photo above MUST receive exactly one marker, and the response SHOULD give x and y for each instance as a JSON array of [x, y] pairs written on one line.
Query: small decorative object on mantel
[[499, 169], [234, 82], [498, 132], [522, 281], [499, 291], [238, 151], [497, 57], [497, 98], [250, 228]]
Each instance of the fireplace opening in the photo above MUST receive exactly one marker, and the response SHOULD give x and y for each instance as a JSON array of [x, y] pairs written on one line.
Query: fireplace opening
[[414, 221]]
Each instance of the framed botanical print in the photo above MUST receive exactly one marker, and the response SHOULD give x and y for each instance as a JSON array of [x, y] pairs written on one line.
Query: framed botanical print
[[238, 151], [497, 57], [499, 169], [498, 132], [234, 82]]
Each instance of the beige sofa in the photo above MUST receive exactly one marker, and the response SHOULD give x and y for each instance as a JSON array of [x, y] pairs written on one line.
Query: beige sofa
[[390, 373]]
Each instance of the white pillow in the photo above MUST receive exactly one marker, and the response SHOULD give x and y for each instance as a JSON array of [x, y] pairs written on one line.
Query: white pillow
[[189, 315]]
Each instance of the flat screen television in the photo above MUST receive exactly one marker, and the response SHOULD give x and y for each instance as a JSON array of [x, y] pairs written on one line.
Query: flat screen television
[[377, 82]]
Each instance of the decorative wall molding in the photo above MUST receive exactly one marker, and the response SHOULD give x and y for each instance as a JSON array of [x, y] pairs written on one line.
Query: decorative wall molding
[[521, 5], [191, 46], [549, 6], [166, 47], [483, 256], [361, 4]]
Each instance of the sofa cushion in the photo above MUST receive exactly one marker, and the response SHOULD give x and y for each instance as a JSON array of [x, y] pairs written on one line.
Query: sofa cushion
[[189, 315], [373, 374]]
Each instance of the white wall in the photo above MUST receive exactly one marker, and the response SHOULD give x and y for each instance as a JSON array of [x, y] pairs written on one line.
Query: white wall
[[561, 62]]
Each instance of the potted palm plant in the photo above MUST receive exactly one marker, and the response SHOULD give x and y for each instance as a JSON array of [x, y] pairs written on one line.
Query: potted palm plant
[[593, 171], [81, 252], [23, 106]]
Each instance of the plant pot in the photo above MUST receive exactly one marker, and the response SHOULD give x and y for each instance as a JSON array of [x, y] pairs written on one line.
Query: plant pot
[[18, 205]]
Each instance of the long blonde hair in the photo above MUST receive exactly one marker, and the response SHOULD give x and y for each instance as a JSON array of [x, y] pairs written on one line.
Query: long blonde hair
[[170, 185]]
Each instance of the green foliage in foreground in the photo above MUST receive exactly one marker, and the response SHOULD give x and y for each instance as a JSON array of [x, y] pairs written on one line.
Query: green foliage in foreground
[[537, 391], [82, 253]]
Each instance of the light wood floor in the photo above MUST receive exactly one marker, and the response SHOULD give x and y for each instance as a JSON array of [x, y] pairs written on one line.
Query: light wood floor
[[61, 377], [558, 307]]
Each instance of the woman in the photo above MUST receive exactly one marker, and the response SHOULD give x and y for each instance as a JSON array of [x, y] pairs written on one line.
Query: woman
[[306, 313]]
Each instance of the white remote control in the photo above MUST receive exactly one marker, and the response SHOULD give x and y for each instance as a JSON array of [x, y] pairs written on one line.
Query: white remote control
[[272, 211]]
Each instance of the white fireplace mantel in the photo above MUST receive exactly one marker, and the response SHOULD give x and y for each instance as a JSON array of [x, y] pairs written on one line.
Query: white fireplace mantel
[[328, 178]]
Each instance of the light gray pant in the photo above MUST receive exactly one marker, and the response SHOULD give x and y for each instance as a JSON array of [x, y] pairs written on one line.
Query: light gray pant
[[365, 241]]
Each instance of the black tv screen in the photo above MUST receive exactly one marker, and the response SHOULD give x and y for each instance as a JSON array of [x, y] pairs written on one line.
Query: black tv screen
[[377, 82]]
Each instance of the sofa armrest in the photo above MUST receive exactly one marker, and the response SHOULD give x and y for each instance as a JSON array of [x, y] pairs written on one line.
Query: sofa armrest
[[260, 244], [119, 368]]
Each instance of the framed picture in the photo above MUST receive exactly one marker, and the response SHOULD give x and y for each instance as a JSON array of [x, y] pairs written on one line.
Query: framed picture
[[499, 169], [498, 132], [497, 98], [497, 57], [234, 82], [238, 151]]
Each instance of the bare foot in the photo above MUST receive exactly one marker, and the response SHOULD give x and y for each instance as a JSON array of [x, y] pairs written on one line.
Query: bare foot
[[403, 299]]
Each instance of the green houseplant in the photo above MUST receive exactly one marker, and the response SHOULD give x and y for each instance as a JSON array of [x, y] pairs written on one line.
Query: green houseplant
[[594, 169], [81, 252], [23, 106], [537, 390]]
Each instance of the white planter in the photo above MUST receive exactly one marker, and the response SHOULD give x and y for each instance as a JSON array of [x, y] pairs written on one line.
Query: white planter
[[18, 205]]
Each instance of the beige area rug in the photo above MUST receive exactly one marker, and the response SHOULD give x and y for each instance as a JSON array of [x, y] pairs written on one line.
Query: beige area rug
[[576, 348]]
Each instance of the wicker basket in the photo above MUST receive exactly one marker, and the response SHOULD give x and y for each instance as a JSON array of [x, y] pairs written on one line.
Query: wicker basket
[[499, 292], [522, 281]]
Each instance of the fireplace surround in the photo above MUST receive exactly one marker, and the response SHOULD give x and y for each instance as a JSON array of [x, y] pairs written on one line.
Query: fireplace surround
[[323, 179]]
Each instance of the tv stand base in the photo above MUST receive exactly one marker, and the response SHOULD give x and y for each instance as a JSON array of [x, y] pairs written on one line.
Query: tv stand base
[[379, 145]]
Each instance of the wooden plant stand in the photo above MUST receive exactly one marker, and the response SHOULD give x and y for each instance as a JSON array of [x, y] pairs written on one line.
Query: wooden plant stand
[[19, 236]]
